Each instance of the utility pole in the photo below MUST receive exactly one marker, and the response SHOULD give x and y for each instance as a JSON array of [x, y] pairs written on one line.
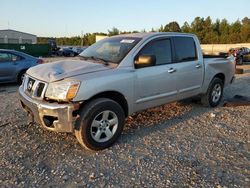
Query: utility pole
[[82, 39]]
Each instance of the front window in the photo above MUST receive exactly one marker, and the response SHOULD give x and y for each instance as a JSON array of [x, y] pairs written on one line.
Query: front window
[[8, 57], [5, 57], [111, 49], [161, 49]]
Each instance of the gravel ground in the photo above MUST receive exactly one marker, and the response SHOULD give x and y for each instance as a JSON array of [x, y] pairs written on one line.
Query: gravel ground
[[176, 145]]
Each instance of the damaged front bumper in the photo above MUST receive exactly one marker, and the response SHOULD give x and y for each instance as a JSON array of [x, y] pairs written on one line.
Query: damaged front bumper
[[52, 116]]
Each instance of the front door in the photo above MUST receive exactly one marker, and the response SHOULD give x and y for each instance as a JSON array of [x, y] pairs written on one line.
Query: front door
[[155, 85]]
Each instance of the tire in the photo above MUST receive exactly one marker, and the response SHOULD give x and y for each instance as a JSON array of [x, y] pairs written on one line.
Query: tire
[[20, 77], [214, 93], [100, 124]]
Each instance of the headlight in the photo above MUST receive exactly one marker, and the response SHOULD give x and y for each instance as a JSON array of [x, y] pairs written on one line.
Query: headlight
[[62, 91]]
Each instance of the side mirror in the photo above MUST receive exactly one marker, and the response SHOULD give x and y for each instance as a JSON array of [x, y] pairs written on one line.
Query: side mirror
[[145, 61]]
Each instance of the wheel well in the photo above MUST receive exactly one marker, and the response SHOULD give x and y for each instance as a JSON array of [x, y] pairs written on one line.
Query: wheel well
[[113, 95], [220, 76], [20, 72]]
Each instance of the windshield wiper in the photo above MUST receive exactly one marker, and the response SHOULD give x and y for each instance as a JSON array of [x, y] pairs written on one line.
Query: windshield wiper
[[101, 59], [105, 62]]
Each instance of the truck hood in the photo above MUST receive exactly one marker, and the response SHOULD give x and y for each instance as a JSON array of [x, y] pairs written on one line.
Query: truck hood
[[59, 70]]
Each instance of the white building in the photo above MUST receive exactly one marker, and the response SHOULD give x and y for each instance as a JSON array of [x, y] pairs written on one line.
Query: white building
[[99, 37], [16, 37]]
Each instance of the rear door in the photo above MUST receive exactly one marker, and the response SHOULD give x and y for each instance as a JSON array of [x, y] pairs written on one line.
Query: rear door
[[189, 68], [155, 85]]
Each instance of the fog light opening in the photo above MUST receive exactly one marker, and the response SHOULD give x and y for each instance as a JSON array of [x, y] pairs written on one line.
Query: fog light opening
[[49, 121]]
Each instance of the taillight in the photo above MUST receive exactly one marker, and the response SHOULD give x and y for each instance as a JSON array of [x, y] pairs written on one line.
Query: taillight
[[40, 61]]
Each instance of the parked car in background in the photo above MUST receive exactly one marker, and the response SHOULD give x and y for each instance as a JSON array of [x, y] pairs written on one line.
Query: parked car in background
[[54, 48], [78, 50], [117, 77], [67, 52], [241, 54], [14, 64], [245, 53]]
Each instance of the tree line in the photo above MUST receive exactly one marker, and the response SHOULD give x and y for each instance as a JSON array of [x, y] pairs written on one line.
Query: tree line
[[208, 32]]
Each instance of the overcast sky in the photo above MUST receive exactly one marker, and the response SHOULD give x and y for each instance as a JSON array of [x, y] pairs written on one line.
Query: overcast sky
[[69, 18]]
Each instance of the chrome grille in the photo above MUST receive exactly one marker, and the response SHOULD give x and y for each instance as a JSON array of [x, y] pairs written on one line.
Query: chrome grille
[[34, 88], [40, 89]]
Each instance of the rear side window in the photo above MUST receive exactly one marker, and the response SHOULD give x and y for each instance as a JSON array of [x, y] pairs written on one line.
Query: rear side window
[[15, 57], [161, 49], [185, 49]]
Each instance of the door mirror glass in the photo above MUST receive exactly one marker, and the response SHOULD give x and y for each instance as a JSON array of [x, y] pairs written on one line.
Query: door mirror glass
[[145, 61]]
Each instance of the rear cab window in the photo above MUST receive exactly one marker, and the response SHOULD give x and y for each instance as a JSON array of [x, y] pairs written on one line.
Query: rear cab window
[[185, 49]]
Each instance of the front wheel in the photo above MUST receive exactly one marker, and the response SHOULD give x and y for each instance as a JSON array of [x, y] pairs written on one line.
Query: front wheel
[[214, 93], [100, 124]]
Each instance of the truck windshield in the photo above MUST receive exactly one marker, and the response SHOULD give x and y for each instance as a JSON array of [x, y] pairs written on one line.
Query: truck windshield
[[112, 49]]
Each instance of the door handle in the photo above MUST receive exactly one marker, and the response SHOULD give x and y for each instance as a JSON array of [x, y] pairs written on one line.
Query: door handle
[[171, 70], [198, 66]]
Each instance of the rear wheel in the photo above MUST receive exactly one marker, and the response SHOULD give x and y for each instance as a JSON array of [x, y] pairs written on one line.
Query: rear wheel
[[100, 124], [214, 93]]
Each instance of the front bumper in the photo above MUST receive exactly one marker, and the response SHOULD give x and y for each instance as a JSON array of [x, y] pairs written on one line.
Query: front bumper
[[52, 116]]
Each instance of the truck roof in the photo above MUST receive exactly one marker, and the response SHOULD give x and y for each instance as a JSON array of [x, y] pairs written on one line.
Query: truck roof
[[151, 34]]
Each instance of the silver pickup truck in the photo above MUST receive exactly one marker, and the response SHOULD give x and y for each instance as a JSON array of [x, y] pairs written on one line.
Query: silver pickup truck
[[118, 76]]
